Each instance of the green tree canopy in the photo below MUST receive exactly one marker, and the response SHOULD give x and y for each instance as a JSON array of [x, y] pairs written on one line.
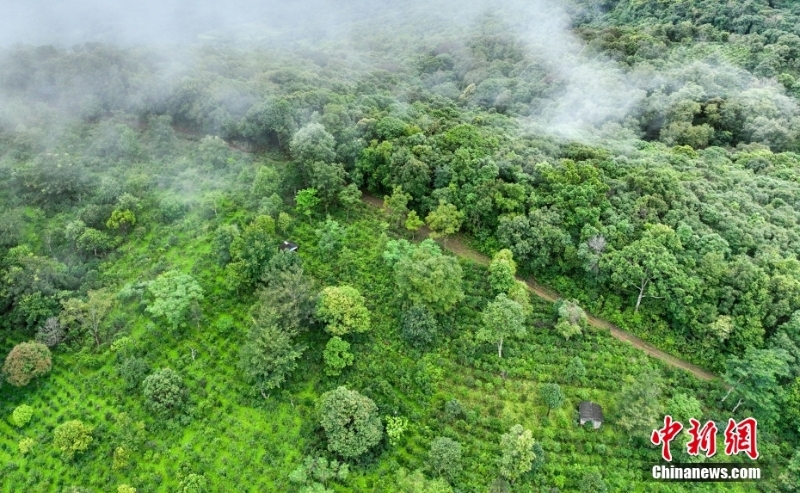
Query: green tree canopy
[[351, 422], [72, 437], [424, 276], [328, 180], [445, 220], [552, 396], [419, 326], [592, 482], [306, 201], [88, 315], [174, 296], [502, 270], [315, 474], [413, 223], [94, 241], [343, 311], [501, 319], [22, 415], [683, 407], [350, 197], [572, 320], [416, 482], [647, 266], [639, 405], [517, 449], [396, 206], [575, 370], [165, 392], [26, 361], [337, 356], [251, 251], [270, 352], [753, 380], [444, 457], [313, 143]]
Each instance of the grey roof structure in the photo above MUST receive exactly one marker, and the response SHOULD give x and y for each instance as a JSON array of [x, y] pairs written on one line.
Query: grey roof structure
[[589, 411], [289, 246]]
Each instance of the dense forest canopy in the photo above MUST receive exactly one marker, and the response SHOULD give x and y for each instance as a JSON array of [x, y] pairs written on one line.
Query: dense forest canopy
[[641, 158]]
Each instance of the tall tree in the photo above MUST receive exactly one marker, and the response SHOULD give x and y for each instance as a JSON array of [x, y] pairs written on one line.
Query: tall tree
[[396, 206], [419, 326], [648, 266], [306, 201], [174, 296], [413, 223], [552, 396], [342, 309], [251, 251], [683, 407], [501, 319], [315, 473], [328, 180], [502, 270], [89, 314], [72, 437], [351, 422], [424, 276], [592, 482], [331, 237], [288, 292], [753, 379], [269, 354], [444, 221], [416, 482], [445, 457], [26, 361], [350, 197], [337, 356], [313, 143], [572, 320], [639, 402], [165, 391], [575, 370], [517, 449]]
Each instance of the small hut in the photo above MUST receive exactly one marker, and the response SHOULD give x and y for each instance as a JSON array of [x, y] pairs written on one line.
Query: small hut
[[288, 246], [591, 412]]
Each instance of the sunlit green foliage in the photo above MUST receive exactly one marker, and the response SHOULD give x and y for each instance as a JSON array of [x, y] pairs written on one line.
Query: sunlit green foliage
[[343, 311], [72, 437], [425, 276], [22, 415], [175, 296], [517, 453], [337, 356]]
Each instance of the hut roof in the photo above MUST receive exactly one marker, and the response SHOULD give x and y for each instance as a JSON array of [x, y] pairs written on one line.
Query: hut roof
[[288, 245], [590, 411]]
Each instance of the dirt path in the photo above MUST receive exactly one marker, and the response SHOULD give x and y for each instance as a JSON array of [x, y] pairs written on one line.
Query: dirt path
[[457, 245]]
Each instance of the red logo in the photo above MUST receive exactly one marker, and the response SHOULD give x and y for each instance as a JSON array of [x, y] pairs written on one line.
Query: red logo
[[741, 437], [665, 435], [704, 438]]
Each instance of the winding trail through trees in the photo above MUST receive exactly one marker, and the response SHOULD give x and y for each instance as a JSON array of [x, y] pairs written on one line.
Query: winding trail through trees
[[457, 245]]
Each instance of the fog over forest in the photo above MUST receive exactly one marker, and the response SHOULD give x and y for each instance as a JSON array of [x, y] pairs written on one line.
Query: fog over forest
[[593, 90]]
